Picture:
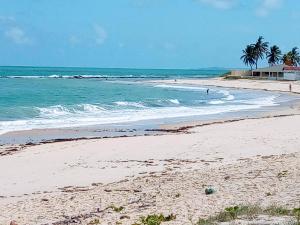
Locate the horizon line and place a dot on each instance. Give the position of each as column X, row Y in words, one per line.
column 136, row 68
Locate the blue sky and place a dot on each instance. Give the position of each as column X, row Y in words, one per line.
column 142, row 33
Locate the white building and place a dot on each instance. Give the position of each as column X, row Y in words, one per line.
column 278, row 72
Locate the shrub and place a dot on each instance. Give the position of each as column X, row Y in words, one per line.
column 117, row 209
column 157, row 219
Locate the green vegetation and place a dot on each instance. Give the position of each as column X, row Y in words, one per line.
column 296, row 212
column 254, row 52
column 204, row 222
column 94, row 221
column 155, row 219
column 274, row 55
column 248, row 56
column 248, row 212
column 277, row 211
column 259, row 50
column 233, row 211
column 229, row 214
column 116, row 209
column 292, row 58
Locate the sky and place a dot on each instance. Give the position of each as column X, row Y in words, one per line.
column 142, row 33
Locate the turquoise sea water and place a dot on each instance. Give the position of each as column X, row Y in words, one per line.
column 32, row 97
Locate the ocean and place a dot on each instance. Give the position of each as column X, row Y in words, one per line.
column 41, row 98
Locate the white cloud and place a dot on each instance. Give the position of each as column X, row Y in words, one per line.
column 220, row 4
column 17, row 35
column 263, row 9
column 13, row 31
column 101, row 34
column 266, row 6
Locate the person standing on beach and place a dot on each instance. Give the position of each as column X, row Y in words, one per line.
column 290, row 87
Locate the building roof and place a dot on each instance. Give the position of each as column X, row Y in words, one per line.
column 292, row 68
column 278, row 68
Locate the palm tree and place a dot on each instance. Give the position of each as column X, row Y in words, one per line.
column 291, row 58
column 295, row 56
column 286, row 59
column 248, row 56
column 274, row 55
column 260, row 49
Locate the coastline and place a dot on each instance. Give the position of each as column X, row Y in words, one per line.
column 267, row 85
column 288, row 104
column 76, row 177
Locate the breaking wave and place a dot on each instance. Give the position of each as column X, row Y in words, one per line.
column 227, row 95
column 133, row 104
column 179, row 87
column 88, row 114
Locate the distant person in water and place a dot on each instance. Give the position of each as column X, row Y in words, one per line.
column 207, row 91
column 290, row 87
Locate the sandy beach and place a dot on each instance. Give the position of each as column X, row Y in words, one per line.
column 247, row 162
column 269, row 85
column 144, row 112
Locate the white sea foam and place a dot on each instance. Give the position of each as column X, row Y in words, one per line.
column 134, row 104
column 227, row 95
column 261, row 101
column 216, row 102
column 53, row 111
column 89, row 108
column 89, row 114
column 25, row 77
column 59, row 116
column 55, row 76
column 180, row 87
column 79, row 76
column 174, row 101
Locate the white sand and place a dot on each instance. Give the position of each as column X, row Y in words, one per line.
column 263, row 181
column 49, row 166
column 270, row 85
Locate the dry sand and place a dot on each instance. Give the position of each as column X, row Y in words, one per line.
column 270, row 85
column 185, row 163
column 264, row 181
column 253, row 161
column 50, row 166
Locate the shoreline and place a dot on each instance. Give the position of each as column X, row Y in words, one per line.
column 290, row 108
column 249, row 161
column 170, row 128
column 158, row 126
column 119, row 156
column 265, row 85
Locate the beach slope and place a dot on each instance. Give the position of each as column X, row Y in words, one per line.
column 49, row 182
